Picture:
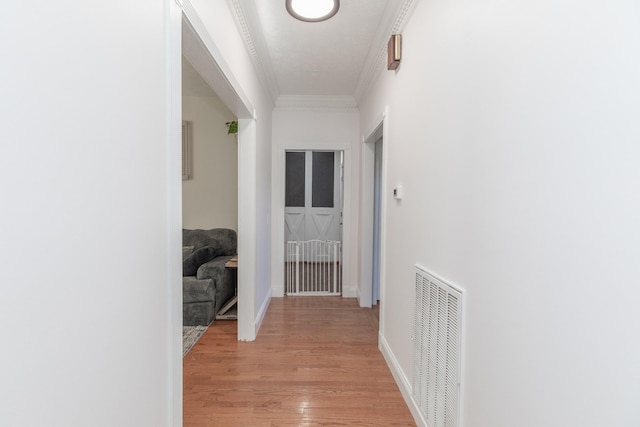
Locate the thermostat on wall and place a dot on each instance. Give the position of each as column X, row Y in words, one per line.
column 397, row 192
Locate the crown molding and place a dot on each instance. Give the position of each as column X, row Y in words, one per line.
column 315, row 103
column 246, row 19
column 376, row 59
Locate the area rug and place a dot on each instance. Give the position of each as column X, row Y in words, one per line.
column 190, row 336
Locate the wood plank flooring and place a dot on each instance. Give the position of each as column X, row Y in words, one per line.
column 315, row 362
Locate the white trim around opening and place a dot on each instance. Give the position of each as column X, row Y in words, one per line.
column 365, row 287
column 348, row 261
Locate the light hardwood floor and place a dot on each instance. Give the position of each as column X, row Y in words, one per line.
column 315, row 362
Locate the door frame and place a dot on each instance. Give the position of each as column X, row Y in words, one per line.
column 377, row 219
column 378, row 129
column 348, row 259
column 205, row 56
column 188, row 35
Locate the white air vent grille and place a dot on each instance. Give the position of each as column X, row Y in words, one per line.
column 437, row 350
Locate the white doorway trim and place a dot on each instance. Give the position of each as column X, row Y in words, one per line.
column 188, row 36
column 173, row 66
column 205, row 56
column 365, row 288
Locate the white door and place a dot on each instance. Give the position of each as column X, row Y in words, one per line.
column 313, row 202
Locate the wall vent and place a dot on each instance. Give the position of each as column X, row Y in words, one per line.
column 437, row 350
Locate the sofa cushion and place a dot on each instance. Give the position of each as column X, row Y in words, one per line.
column 195, row 290
column 198, row 313
column 213, row 269
column 224, row 279
column 186, row 251
column 225, row 237
column 200, row 256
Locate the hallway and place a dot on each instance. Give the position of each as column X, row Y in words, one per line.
column 315, row 362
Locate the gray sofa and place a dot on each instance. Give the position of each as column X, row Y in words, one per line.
column 206, row 284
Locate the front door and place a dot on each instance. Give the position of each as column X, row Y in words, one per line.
column 313, row 202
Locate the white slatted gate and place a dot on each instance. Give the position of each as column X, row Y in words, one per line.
column 313, row 267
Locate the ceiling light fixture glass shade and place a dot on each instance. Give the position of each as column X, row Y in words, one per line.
column 312, row 10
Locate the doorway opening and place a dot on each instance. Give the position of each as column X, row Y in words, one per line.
column 195, row 44
column 372, row 215
column 377, row 221
column 313, row 222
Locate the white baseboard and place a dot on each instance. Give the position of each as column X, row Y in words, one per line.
column 263, row 310
column 401, row 380
column 277, row 292
column 349, row 292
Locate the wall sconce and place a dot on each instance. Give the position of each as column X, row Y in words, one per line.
column 394, row 51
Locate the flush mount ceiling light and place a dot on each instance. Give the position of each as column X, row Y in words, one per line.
column 312, row 10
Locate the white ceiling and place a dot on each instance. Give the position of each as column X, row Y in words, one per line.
column 335, row 58
column 319, row 58
column 330, row 58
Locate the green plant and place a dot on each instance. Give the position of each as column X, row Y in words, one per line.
column 232, row 127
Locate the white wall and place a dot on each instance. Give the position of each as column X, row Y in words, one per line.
column 210, row 197
column 254, row 240
column 513, row 128
column 88, row 249
column 317, row 130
